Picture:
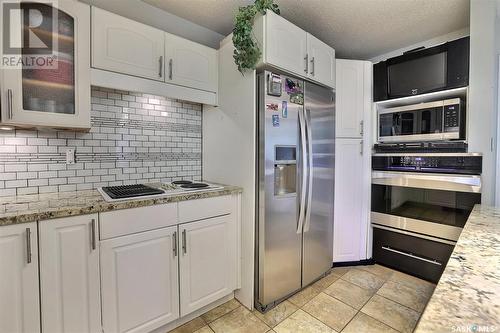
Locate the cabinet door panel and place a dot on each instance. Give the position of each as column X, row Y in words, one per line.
column 350, row 98
column 125, row 46
column 286, row 44
column 140, row 289
column 190, row 64
column 19, row 300
column 206, row 262
column 69, row 275
column 58, row 95
column 321, row 61
column 348, row 216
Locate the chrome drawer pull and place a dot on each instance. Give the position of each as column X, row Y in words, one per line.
column 434, row 262
column 28, row 245
column 174, row 243
column 184, row 241
column 92, row 234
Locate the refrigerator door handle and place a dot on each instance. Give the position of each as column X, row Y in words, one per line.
column 309, row 169
column 302, row 204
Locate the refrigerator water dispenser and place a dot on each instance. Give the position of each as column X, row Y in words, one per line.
column 285, row 170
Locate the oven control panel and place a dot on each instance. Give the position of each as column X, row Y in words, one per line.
column 418, row 162
column 431, row 163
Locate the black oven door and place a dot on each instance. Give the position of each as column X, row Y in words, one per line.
column 435, row 205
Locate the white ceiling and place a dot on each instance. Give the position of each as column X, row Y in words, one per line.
column 357, row 29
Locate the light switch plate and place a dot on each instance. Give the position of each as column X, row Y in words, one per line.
column 70, row 156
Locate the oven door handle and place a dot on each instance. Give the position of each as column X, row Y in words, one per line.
column 457, row 183
column 411, row 255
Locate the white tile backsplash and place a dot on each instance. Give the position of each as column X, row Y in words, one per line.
column 134, row 138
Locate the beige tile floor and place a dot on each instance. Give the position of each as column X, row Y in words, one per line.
column 371, row 299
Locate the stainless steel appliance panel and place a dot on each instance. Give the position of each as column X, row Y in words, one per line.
column 279, row 233
column 319, row 107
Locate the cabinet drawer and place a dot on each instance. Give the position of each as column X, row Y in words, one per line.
column 129, row 221
column 420, row 257
column 193, row 210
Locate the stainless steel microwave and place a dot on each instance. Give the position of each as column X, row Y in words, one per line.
column 432, row 121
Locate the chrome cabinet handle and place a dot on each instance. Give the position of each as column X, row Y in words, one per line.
column 28, row 245
column 312, row 66
column 361, row 147
column 174, row 243
column 361, row 127
column 307, row 117
column 92, row 234
column 302, row 204
column 170, row 66
column 184, row 247
column 434, row 262
column 160, row 73
column 9, row 103
column 306, row 58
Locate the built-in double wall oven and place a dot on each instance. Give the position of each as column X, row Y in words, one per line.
column 420, row 203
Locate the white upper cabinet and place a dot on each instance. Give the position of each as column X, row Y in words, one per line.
column 126, row 46
column 69, row 275
column 139, row 276
column 321, row 59
column 57, row 93
column 19, row 291
column 351, row 98
column 190, row 64
column 289, row 48
column 207, row 261
column 285, row 44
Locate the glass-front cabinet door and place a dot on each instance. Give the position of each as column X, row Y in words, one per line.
column 46, row 81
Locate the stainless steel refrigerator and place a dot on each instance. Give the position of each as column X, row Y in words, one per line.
column 295, row 173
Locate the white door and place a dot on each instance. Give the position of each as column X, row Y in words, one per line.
column 350, row 98
column 56, row 95
column 207, row 262
column 69, row 275
column 19, row 292
column 348, row 227
column 139, row 281
column 125, row 46
column 190, row 64
column 286, row 45
column 321, row 61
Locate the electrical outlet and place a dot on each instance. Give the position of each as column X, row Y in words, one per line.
column 70, row 156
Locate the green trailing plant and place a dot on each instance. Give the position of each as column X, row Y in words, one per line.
column 247, row 52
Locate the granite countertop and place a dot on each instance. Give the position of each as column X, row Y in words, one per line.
column 467, row 297
column 35, row 207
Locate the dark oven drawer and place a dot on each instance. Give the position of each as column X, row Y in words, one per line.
column 420, row 257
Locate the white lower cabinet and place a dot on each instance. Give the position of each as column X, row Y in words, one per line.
column 207, row 262
column 19, row 289
column 69, row 275
column 139, row 281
